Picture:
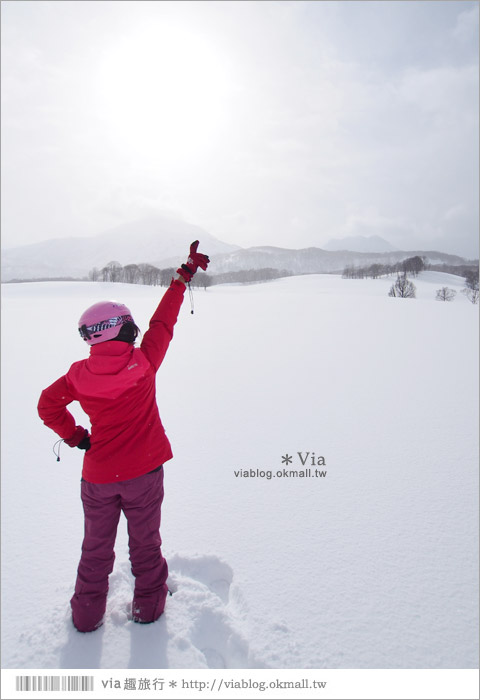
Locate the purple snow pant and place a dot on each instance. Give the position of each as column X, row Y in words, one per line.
column 140, row 499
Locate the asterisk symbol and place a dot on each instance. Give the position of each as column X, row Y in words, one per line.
column 173, row 684
column 286, row 459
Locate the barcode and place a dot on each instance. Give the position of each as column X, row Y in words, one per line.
column 52, row 683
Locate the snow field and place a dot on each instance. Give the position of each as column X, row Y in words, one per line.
column 373, row 566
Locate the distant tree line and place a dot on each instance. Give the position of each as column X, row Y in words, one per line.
column 412, row 265
column 405, row 289
column 264, row 274
column 374, row 271
column 17, row 280
column 459, row 270
column 144, row 273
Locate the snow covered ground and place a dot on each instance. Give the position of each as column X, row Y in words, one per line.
column 374, row 565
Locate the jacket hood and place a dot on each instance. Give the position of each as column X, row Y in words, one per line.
column 110, row 357
column 112, row 369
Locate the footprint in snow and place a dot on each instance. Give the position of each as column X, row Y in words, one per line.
column 216, row 574
column 204, row 614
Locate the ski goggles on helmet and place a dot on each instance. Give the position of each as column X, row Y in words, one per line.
column 87, row 331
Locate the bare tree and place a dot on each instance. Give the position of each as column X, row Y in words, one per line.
column 166, row 276
column 471, row 279
column 471, row 294
column 112, row 272
column 201, row 279
column 353, row 273
column 403, row 288
column 131, row 273
column 149, row 274
column 413, row 265
column 375, row 270
column 446, row 294
column 471, row 286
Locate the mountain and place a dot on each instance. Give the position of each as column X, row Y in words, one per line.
column 159, row 240
column 164, row 242
column 316, row 260
column 360, row 244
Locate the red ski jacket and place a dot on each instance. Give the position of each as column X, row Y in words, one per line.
column 115, row 387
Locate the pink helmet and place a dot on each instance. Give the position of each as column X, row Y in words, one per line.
column 102, row 321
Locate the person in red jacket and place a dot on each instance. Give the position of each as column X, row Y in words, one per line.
column 125, row 450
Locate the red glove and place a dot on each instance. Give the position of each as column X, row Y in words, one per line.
column 195, row 260
column 80, row 438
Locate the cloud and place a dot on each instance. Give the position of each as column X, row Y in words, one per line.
column 466, row 26
column 327, row 117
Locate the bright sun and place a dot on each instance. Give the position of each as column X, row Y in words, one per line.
column 163, row 92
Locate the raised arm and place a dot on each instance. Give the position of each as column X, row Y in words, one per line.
column 160, row 331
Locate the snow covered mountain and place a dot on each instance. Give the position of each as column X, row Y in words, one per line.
column 360, row 244
column 156, row 239
column 164, row 241
column 316, row 260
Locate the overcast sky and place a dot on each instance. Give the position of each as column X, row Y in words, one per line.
column 275, row 123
